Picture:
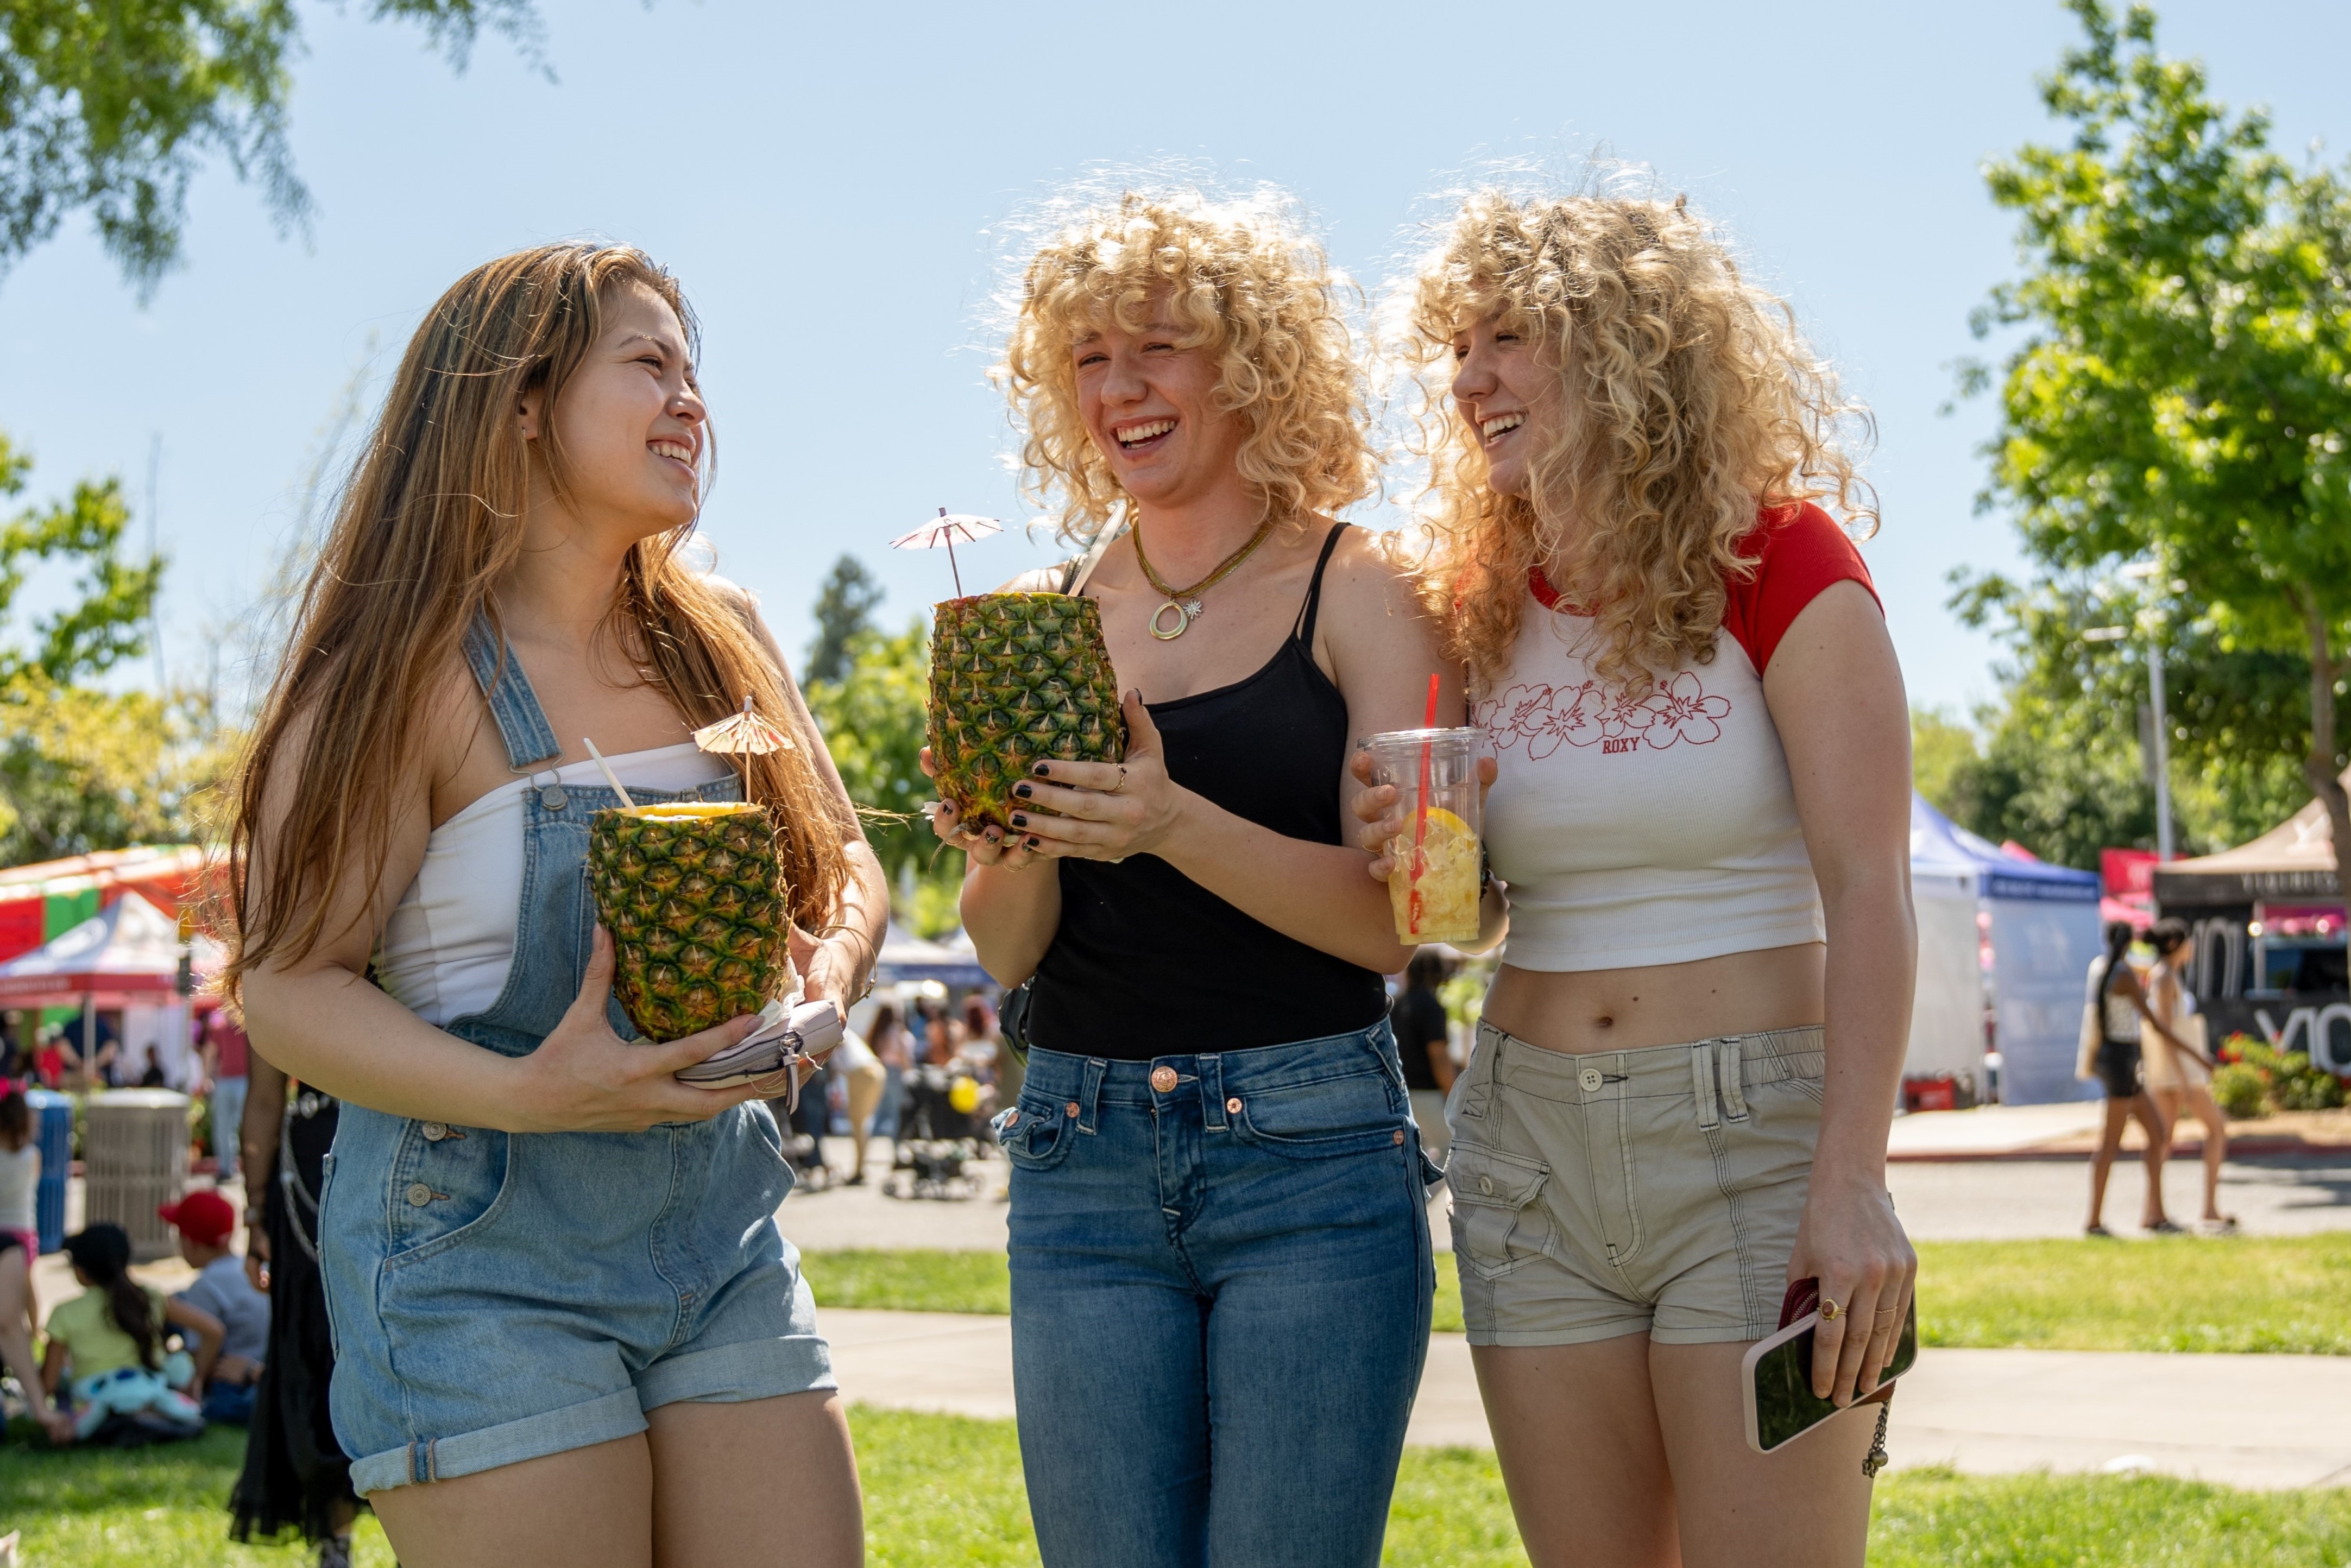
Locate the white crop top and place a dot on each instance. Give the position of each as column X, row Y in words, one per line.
column 1660, row 830
column 450, row 941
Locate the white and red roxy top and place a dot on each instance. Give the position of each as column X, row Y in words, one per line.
column 1662, row 828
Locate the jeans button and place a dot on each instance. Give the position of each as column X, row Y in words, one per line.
column 1399, row 1134
column 1233, row 1106
column 1072, row 1107
column 419, row 1194
column 1486, row 1185
column 434, row 1131
column 1162, row 1079
column 1590, row 1078
column 554, row 798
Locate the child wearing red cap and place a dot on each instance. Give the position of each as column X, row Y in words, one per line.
column 205, row 1223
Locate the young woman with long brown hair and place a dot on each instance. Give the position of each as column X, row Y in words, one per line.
column 568, row 1330
column 1220, row 1257
column 1679, row 1101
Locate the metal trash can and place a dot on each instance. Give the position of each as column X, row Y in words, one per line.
column 53, row 1135
column 135, row 1160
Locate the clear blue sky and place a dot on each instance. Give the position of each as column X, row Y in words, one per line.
column 824, row 180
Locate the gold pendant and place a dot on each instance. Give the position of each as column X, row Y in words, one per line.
column 1183, row 613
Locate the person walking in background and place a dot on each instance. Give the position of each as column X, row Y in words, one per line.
column 226, row 1055
column 568, row 1330
column 205, row 1223
column 1221, row 1273
column 894, row 1047
column 2115, row 1017
column 2179, row 1064
column 862, row 1079
column 20, row 1188
column 1679, row 1102
column 1425, row 1045
column 296, row 1475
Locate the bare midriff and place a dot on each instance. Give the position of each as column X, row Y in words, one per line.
column 1580, row 1011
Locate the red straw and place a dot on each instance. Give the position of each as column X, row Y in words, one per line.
column 1420, row 817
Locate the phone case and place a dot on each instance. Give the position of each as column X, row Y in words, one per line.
column 1776, row 1389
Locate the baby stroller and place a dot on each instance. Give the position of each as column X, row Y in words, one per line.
column 938, row 1133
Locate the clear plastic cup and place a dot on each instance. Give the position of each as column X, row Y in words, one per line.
column 1434, row 887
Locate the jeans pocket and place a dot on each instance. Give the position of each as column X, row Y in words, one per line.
column 1354, row 1114
column 1036, row 1133
column 447, row 1183
column 1497, row 1225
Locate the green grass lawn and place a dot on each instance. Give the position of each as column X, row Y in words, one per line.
column 2275, row 1293
column 944, row 1491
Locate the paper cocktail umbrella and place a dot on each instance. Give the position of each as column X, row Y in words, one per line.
column 950, row 529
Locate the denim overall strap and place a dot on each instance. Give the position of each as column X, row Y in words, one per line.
column 522, row 723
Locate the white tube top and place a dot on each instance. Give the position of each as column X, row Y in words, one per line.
column 450, row 941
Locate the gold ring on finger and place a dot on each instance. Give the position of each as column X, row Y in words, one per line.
column 1830, row 1311
column 1121, row 785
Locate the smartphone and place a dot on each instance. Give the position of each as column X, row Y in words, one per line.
column 1776, row 1381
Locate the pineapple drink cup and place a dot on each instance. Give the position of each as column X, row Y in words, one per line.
column 692, row 895
column 1016, row 677
column 1434, row 888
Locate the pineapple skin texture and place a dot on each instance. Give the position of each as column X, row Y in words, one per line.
column 696, row 913
column 1016, row 677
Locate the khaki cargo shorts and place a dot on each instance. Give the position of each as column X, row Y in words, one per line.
column 1654, row 1191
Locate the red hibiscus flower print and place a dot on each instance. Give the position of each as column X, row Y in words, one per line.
column 1681, row 711
column 1521, row 712
column 1575, row 716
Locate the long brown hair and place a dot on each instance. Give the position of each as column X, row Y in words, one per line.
column 1692, row 403
column 429, row 523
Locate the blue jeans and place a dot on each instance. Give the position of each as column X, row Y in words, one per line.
column 1220, row 1297
column 228, row 1124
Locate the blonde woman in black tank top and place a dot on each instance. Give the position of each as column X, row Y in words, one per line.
column 1220, row 1257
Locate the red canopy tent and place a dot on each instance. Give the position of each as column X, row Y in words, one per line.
column 45, row 900
column 127, row 953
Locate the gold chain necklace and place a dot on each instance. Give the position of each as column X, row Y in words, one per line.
column 1186, row 602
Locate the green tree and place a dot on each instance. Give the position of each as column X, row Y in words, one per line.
column 844, row 609
column 112, row 105
column 873, row 719
column 82, row 768
column 2180, row 393
column 1941, row 748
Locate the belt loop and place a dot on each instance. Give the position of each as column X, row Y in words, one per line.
column 1090, row 1093
column 1485, row 1046
column 1710, row 1115
column 1212, row 1092
column 1732, row 1070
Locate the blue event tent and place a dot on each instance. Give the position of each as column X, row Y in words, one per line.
column 2037, row 925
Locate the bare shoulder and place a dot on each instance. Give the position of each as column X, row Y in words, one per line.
column 1374, row 580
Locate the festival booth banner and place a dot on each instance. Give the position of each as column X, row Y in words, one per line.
column 2023, row 932
column 129, row 956
column 2267, row 924
column 41, row 901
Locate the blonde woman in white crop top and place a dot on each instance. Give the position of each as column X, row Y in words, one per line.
column 1679, row 1098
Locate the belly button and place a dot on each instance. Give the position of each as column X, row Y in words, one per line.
column 1605, row 1023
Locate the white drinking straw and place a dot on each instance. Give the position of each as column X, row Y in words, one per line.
column 610, row 776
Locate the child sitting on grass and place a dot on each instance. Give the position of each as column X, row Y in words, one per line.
column 205, row 1223
column 112, row 1335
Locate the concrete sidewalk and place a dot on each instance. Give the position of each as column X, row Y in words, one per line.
column 2258, row 1421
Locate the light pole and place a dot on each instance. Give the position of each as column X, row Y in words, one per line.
column 2153, row 627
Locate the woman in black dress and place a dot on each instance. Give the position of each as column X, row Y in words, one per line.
column 294, row 1475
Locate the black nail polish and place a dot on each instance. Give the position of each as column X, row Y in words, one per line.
column 1035, row 842
column 1041, row 769
column 1024, row 790
column 1019, row 819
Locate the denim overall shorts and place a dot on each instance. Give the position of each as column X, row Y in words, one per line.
column 501, row 1296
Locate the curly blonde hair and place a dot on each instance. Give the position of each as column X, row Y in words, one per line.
column 1692, row 404
column 1237, row 277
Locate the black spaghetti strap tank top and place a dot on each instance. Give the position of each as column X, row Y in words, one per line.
column 1147, row 963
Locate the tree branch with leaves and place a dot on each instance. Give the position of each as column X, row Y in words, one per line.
column 2180, row 393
